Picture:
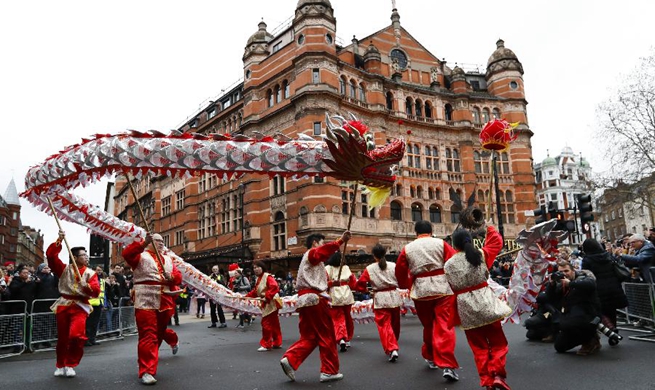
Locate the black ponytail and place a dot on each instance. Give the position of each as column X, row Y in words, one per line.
column 379, row 251
column 462, row 241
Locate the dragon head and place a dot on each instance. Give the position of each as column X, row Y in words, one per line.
column 355, row 157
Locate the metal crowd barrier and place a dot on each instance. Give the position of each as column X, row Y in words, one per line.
column 13, row 328
column 640, row 313
column 36, row 330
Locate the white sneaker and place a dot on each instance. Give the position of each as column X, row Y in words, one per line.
column 70, row 372
column 393, row 356
column 148, row 379
column 288, row 370
column 342, row 345
column 175, row 348
column 347, row 344
column 60, row 372
column 450, row 374
column 431, row 364
column 331, row 377
column 262, row 349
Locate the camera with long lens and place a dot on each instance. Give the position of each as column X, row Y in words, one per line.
column 613, row 337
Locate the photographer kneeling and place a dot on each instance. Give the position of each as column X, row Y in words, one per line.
column 576, row 291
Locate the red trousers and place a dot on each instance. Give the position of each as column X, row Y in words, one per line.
column 71, row 330
column 315, row 325
column 438, row 336
column 151, row 325
column 388, row 322
column 343, row 322
column 489, row 347
column 271, row 332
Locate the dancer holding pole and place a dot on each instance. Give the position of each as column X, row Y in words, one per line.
column 77, row 283
column 155, row 279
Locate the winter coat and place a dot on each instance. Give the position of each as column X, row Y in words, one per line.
column 608, row 285
column 579, row 301
column 47, row 287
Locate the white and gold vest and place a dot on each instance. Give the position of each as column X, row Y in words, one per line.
column 310, row 277
column 149, row 296
column 383, row 280
column 68, row 285
column 479, row 307
column 270, row 307
column 425, row 255
column 341, row 295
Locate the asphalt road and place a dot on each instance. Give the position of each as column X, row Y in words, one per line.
column 228, row 359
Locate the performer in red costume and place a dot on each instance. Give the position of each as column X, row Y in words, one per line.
column 268, row 290
column 386, row 300
column 314, row 321
column 154, row 305
column 478, row 310
column 420, row 267
column 341, row 295
column 72, row 308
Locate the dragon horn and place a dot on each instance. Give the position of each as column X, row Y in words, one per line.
column 330, row 127
column 352, row 116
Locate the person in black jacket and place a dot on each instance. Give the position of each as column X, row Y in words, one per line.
column 608, row 286
column 576, row 291
column 22, row 288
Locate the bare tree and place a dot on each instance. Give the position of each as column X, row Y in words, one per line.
column 627, row 135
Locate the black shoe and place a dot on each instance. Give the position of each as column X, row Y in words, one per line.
column 213, row 325
column 95, row 343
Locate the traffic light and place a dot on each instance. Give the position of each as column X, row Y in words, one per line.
column 585, row 208
column 552, row 210
column 562, row 223
column 540, row 215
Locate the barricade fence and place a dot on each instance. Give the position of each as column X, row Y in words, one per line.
column 34, row 328
column 640, row 313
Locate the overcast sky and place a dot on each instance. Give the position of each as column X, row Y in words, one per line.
column 70, row 69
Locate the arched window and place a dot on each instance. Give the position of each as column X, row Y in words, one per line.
column 476, row 115
column 437, row 194
column 482, row 205
column 409, row 105
column 304, row 221
column 454, row 213
column 456, row 160
column 507, row 207
column 353, row 89
column 342, row 85
column 480, row 162
column 496, row 113
column 389, row 101
column 399, row 190
column 396, row 211
column 412, row 191
column 287, row 89
column 428, row 109
column 270, row 97
column 278, row 94
column 448, row 112
column 430, row 193
column 419, row 192
column 435, row 213
column 485, row 115
column 417, row 212
column 362, row 93
column 418, row 107
column 504, row 164
column 279, row 232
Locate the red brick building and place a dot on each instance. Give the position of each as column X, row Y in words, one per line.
column 391, row 82
column 10, row 224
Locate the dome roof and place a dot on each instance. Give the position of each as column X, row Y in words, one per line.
column 501, row 53
column 302, row 3
column 567, row 151
column 458, row 70
column 584, row 163
column 261, row 36
column 548, row 161
column 372, row 49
